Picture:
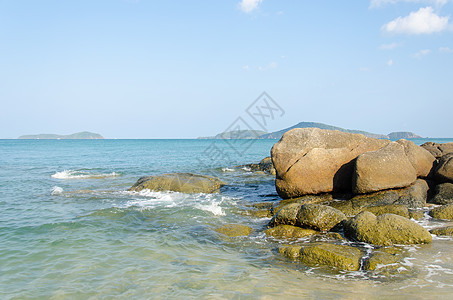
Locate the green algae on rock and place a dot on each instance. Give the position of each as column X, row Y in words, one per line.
column 446, row 231
column 338, row 256
column 179, row 182
column 234, row 230
column 385, row 230
column 319, row 217
column 442, row 212
column 289, row 232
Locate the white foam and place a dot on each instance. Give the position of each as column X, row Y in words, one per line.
column 56, row 190
column 71, row 174
column 228, row 170
column 213, row 207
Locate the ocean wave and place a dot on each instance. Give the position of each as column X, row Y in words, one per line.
column 228, row 170
column 72, row 174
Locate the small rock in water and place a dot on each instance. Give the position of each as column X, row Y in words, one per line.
column 338, row 256
column 447, row 231
column 234, row 230
column 319, row 217
column 289, row 232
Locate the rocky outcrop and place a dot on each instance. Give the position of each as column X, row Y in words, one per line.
column 179, row 182
column 234, row 230
column 386, row 168
column 338, row 256
column 265, row 165
column 385, row 230
column 289, row 232
column 444, row 170
column 438, row 150
column 442, row 212
column 443, row 194
column 313, row 161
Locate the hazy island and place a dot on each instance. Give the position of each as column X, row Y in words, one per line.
column 85, row 135
column 257, row 134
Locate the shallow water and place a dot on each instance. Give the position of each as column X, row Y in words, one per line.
column 70, row 229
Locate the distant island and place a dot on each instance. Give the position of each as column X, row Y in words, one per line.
column 255, row 134
column 75, row 136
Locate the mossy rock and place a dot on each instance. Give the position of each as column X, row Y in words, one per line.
column 444, row 212
column 416, row 214
column 446, row 231
column 341, row 257
column 234, row 230
column 443, row 194
column 290, row 251
column 396, row 209
column 385, row 230
column 289, row 232
column 307, row 199
column 179, row 182
column 286, row 216
column 381, row 259
column 319, row 217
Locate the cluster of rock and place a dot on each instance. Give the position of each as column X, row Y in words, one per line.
column 265, row 166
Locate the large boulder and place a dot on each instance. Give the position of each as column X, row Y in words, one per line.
column 386, row 168
column 385, row 230
column 443, row 194
column 444, row 170
column 438, row 150
column 444, row 212
column 179, row 182
column 319, row 217
column 420, row 158
column 338, row 256
column 314, row 161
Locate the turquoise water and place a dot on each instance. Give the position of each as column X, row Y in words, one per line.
column 70, row 229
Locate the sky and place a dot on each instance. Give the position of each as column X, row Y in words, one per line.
column 184, row 69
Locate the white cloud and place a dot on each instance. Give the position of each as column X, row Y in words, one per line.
column 270, row 66
column 422, row 53
column 389, row 46
column 248, row 6
column 379, row 3
column 390, row 63
column 423, row 21
column 247, row 68
column 445, row 50
column 364, row 69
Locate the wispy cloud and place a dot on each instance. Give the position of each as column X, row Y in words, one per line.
column 270, row 66
column 390, row 46
column 248, row 6
column 421, row 53
column 445, row 50
column 390, row 62
column 423, row 21
column 379, row 3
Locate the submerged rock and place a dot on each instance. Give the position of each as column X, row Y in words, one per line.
column 385, row 230
column 443, row 194
column 319, row 217
column 290, row 251
column 314, row 161
column 380, row 259
column 443, row 212
column 447, row 231
column 289, row 232
column 383, row 169
column 338, row 256
column 179, row 182
column 234, row 230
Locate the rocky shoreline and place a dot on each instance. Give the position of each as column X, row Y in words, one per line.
column 355, row 199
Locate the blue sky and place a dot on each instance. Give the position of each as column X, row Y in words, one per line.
column 183, row 69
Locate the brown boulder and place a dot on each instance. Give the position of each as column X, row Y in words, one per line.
column 314, row 161
column 420, row 158
column 386, row 168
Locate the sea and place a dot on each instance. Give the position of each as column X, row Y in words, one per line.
column 70, row 229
